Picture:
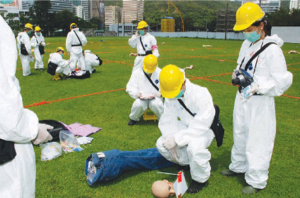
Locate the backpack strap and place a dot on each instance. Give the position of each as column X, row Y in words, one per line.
column 151, row 81
column 255, row 55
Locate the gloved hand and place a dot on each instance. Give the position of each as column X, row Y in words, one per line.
column 233, row 76
column 157, row 94
column 137, row 33
column 43, row 135
column 169, row 143
column 253, row 88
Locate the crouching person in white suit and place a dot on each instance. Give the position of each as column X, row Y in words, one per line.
column 57, row 65
column 185, row 138
column 18, row 126
column 91, row 60
column 143, row 86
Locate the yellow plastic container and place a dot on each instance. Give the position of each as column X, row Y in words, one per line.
column 168, row 25
column 149, row 115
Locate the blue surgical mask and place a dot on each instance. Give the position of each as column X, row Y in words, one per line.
column 251, row 36
column 62, row 55
column 180, row 94
column 39, row 34
column 29, row 32
column 141, row 32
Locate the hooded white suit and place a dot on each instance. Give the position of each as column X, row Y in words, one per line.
column 138, row 83
column 36, row 41
column 19, row 125
column 23, row 38
column 192, row 135
column 254, row 120
column 150, row 44
column 63, row 65
column 74, row 48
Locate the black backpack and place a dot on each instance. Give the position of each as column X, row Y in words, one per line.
column 7, row 151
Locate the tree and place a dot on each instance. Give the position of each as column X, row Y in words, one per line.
column 284, row 17
column 39, row 13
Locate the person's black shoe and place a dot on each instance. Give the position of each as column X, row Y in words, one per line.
column 94, row 71
column 132, row 122
column 196, row 187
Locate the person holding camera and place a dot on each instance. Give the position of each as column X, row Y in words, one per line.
column 261, row 75
column 19, row 127
column 145, row 44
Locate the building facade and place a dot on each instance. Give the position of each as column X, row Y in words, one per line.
column 113, row 15
column 133, row 10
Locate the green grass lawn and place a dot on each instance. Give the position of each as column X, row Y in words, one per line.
column 102, row 101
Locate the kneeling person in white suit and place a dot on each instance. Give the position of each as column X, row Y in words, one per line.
column 62, row 64
column 185, row 138
column 143, row 87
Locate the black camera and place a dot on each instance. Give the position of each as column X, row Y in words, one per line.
column 243, row 78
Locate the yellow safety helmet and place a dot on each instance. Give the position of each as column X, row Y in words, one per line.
column 73, row 25
column 60, row 49
column 150, row 63
column 171, row 79
column 246, row 15
column 28, row 26
column 142, row 25
column 37, row 29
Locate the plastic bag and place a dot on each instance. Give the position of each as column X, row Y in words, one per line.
column 50, row 151
column 69, row 142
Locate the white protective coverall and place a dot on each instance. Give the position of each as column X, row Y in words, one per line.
column 63, row 65
column 35, row 42
column 150, row 44
column 19, row 125
column 138, row 83
column 192, row 135
column 91, row 60
column 254, row 120
column 74, row 48
column 25, row 59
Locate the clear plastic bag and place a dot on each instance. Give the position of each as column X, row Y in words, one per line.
column 50, row 151
column 69, row 142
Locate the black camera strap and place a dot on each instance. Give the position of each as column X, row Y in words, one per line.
column 255, row 55
column 187, row 109
column 142, row 43
column 151, row 81
column 78, row 39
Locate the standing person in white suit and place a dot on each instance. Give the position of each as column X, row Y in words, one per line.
column 17, row 125
column 75, row 41
column 24, row 46
column 38, row 43
column 185, row 138
column 145, row 44
column 254, row 119
column 145, row 93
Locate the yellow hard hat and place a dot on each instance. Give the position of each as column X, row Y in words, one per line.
column 171, row 79
column 60, row 49
column 28, row 26
column 37, row 28
column 150, row 63
column 142, row 24
column 246, row 15
column 73, row 25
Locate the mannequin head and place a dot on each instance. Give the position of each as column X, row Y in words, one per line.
column 163, row 189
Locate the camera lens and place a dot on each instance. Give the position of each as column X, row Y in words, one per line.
column 236, row 81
